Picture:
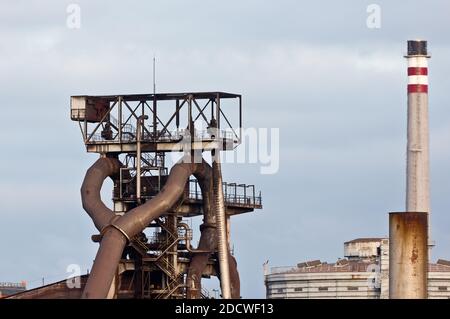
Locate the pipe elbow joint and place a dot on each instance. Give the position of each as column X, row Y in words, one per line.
column 113, row 225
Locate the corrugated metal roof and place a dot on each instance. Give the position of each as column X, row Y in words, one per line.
column 438, row 267
column 342, row 265
column 345, row 265
column 443, row 262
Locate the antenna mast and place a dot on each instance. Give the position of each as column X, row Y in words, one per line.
column 154, row 75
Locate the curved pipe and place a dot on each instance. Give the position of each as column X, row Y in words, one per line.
column 188, row 241
column 208, row 242
column 208, row 239
column 117, row 233
column 235, row 282
column 90, row 190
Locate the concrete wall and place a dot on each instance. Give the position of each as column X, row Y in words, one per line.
column 356, row 284
column 361, row 249
column 335, row 285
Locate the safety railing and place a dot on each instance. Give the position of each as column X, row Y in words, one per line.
column 282, row 270
column 12, row 285
column 128, row 135
column 235, row 194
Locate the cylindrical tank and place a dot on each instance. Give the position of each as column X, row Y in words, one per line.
column 408, row 255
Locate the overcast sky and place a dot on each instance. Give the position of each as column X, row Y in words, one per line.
column 335, row 88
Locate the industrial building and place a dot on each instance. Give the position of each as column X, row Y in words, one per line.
column 145, row 242
column 11, row 288
column 363, row 273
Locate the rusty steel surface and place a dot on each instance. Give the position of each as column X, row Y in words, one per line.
column 163, row 96
column 57, row 290
column 121, row 229
column 222, row 240
column 408, row 255
column 208, row 238
column 114, row 130
column 208, row 242
column 90, row 190
column 136, row 125
column 235, row 281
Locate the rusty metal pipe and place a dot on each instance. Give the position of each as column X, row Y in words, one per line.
column 124, row 228
column 235, row 283
column 208, row 242
column 199, row 262
column 208, row 238
column 105, row 265
column 90, row 190
column 222, row 241
column 408, row 255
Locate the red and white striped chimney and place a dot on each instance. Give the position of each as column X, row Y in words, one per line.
column 417, row 175
column 409, row 231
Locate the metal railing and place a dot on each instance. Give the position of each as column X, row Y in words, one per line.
column 234, row 194
column 12, row 285
column 243, row 200
column 128, row 134
column 283, row 269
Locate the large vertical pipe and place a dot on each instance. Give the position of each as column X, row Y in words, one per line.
column 222, row 241
column 417, row 171
column 408, row 255
column 208, row 243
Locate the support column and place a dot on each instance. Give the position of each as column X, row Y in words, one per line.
column 221, row 228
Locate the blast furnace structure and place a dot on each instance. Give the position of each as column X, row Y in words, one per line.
column 146, row 242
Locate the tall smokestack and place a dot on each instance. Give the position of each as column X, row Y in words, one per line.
column 417, row 171
column 409, row 231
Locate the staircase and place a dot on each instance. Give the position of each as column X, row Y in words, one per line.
column 161, row 258
column 128, row 130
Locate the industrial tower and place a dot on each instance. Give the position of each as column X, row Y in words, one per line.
column 146, row 248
